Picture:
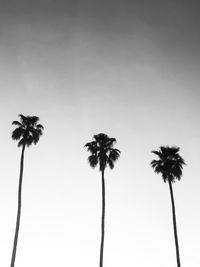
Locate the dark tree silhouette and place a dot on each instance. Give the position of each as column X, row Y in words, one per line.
column 28, row 131
column 102, row 153
column 170, row 165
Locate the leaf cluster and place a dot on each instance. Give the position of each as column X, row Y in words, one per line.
column 102, row 151
column 169, row 163
column 28, row 130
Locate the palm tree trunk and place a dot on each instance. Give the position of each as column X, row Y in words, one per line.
column 102, row 220
column 18, row 209
column 175, row 226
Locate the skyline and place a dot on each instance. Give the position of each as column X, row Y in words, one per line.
column 129, row 70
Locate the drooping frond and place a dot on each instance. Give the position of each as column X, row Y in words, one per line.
column 169, row 163
column 110, row 163
column 102, row 151
column 28, row 131
column 17, row 123
column 39, row 127
column 93, row 161
column 91, row 147
column 114, row 154
column 17, row 133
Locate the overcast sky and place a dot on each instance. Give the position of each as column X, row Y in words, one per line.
column 129, row 69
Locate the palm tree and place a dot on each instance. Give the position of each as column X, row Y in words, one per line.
column 102, row 153
column 170, row 165
column 28, row 131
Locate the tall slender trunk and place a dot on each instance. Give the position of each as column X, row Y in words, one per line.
column 175, row 226
column 18, row 209
column 102, row 220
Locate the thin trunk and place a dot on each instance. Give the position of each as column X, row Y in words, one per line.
column 18, row 209
column 102, row 220
column 175, row 226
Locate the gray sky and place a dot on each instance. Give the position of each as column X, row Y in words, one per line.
column 126, row 68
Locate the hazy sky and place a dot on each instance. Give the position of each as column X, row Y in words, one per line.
column 129, row 69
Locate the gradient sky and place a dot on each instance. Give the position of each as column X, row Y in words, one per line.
column 129, row 69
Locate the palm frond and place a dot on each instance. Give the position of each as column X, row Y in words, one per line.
column 93, row 161
column 111, row 142
column 92, row 147
column 17, row 123
column 40, row 126
column 33, row 120
column 17, row 133
column 39, row 131
column 114, row 154
column 110, row 163
column 23, row 119
column 30, row 140
column 158, row 153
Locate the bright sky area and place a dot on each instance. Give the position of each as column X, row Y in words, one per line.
column 127, row 69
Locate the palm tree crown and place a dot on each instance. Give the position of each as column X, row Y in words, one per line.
column 27, row 131
column 102, row 151
column 169, row 164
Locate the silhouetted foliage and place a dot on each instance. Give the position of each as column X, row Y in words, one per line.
column 28, row 132
column 102, row 153
column 170, row 165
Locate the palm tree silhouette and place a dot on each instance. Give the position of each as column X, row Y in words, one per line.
column 27, row 133
column 170, row 165
column 102, row 153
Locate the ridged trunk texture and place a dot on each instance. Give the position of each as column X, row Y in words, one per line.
column 102, row 220
column 18, row 208
column 175, row 226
